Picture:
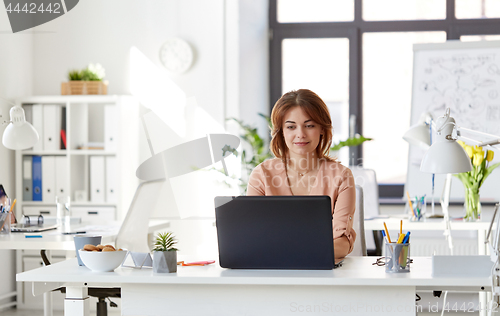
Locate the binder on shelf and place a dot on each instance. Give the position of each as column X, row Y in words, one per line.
column 51, row 127
column 49, row 179
column 97, row 185
column 110, row 127
column 28, row 113
column 61, row 169
column 27, row 179
column 63, row 128
column 37, row 177
column 37, row 116
column 111, row 194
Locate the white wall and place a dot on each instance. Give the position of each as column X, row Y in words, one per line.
column 104, row 31
column 16, row 63
column 229, row 77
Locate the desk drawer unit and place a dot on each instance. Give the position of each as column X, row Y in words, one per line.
column 40, row 210
column 96, row 215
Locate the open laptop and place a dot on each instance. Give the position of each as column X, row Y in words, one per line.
column 33, row 228
column 275, row 232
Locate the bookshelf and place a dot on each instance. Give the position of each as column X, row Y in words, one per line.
column 86, row 121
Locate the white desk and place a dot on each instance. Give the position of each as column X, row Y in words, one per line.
column 432, row 224
column 393, row 224
column 357, row 288
column 55, row 240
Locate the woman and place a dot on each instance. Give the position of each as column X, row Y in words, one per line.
column 301, row 140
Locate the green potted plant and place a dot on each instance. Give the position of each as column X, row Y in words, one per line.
column 86, row 81
column 164, row 253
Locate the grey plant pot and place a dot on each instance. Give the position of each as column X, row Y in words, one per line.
column 164, row 261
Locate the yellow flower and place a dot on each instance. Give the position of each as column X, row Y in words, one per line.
column 489, row 155
column 478, row 149
column 461, row 143
column 469, row 150
column 477, row 160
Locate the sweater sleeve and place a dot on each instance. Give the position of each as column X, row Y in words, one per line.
column 344, row 208
column 256, row 185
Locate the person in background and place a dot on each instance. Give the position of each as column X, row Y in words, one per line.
column 301, row 140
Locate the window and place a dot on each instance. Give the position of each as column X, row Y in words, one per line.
column 358, row 56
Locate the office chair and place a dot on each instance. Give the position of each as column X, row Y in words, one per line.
column 358, row 225
column 367, row 179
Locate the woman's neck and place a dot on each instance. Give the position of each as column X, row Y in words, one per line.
column 303, row 164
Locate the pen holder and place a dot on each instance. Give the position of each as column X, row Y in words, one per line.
column 5, row 223
column 397, row 257
column 417, row 209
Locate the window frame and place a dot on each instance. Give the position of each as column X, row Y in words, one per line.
column 354, row 31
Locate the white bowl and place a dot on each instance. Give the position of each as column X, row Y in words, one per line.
column 106, row 261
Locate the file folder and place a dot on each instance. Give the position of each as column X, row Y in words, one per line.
column 27, row 179
column 28, row 113
column 110, row 127
column 49, row 179
column 51, row 127
column 37, row 116
column 97, row 187
column 61, row 169
column 37, row 177
column 111, row 194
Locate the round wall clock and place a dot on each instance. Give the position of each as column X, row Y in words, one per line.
column 176, row 55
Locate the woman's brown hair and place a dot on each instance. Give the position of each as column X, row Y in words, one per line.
column 317, row 110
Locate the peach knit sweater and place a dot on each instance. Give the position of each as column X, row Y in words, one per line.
column 333, row 179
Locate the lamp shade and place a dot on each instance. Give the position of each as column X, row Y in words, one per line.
column 418, row 135
column 446, row 157
column 19, row 134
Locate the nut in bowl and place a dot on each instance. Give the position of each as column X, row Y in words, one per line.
column 102, row 258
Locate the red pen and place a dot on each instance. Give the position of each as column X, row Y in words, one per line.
column 197, row 263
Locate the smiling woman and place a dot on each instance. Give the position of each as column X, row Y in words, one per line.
column 301, row 140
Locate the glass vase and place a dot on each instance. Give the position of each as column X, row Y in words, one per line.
column 472, row 205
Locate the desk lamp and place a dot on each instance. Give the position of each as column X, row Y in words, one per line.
column 420, row 135
column 19, row 134
column 446, row 156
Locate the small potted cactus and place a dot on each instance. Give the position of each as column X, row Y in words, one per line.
column 164, row 253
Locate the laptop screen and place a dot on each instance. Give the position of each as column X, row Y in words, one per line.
column 275, row 232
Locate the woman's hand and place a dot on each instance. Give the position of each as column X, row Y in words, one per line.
column 341, row 247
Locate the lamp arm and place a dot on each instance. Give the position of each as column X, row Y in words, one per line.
column 495, row 141
column 445, row 202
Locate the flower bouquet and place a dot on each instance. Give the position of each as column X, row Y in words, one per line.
column 474, row 179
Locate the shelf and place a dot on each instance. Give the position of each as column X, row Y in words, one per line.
column 37, row 203
column 69, row 99
column 44, row 153
column 91, row 152
column 75, row 152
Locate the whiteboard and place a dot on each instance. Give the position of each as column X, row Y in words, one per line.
column 464, row 76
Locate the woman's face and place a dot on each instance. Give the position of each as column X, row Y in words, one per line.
column 301, row 133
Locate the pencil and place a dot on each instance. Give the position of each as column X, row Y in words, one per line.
column 13, row 204
column 409, row 202
column 387, row 233
column 401, row 227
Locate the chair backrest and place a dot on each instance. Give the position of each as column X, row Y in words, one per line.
column 367, row 179
column 359, row 225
